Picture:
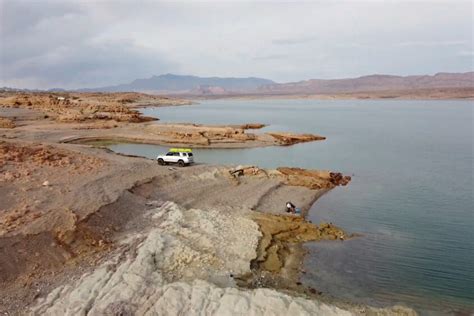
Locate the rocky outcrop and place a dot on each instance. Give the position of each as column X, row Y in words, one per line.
column 279, row 231
column 183, row 134
column 84, row 107
column 185, row 264
column 338, row 179
column 202, row 135
column 252, row 126
column 188, row 263
column 92, row 114
column 313, row 179
column 291, row 139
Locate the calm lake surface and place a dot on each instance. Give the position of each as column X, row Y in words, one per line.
column 411, row 196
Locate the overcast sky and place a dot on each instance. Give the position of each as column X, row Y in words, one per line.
column 76, row 44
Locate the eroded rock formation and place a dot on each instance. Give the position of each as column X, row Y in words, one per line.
column 312, row 179
column 184, row 265
column 80, row 107
column 291, row 138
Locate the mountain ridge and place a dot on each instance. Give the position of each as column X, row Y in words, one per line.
column 375, row 82
column 190, row 85
column 185, row 83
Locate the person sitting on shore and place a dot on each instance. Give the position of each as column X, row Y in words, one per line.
column 290, row 208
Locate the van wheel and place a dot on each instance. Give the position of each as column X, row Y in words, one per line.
column 161, row 162
column 181, row 163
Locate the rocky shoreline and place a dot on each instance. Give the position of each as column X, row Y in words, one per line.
column 84, row 230
column 86, row 117
column 216, row 254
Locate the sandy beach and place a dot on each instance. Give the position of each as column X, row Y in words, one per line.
column 87, row 231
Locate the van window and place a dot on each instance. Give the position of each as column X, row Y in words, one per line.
column 190, row 154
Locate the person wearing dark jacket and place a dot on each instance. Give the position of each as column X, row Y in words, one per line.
column 290, row 208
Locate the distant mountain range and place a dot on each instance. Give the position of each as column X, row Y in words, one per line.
column 171, row 84
column 372, row 83
column 199, row 86
column 177, row 84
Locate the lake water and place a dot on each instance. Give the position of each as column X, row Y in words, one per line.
column 411, row 196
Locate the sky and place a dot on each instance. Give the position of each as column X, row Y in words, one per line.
column 77, row 44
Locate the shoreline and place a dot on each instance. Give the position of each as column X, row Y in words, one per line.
column 52, row 117
column 117, row 228
column 74, row 241
column 75, row 212
column 466, row 93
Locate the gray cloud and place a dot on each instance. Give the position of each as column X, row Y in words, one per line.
column 58, row 44
column 89, row 64
column 466, row 53
column 435, row 43
column 92, row 43
column 293, row 41
column 271, row 57
column 20, row 16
